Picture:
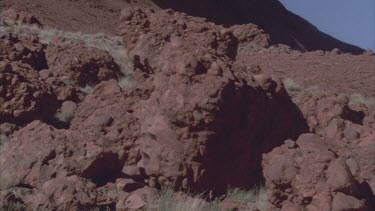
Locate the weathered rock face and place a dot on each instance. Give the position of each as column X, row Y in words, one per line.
column 313, row 176
column 283, row 26
column 11, row 17
column 214, row 120
column 56, row 163
column 27, row 51
column 192, row 119
column 196, row 117
column 23, row 96
column 80, row 68
column 36, row 79
column 329, row 173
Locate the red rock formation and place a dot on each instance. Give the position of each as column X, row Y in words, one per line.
column 81, row 68
column 283, row 26
column 221, row 115
column 202, row 115
column 329, row 173
column 23, row 96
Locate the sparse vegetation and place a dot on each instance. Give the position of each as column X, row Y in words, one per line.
column 291, row 86
column 112, row 44
column 64, row 117
column 4, row 181
column 166, row 201
column 87, row 89
column 313, row 89
column 256, row 196
column 12, row 206
column 100, row 208
column 66, row 80
column 4, row 178
column 293, row 89
column 19, row 191
column 126, row 82
column 358, row 98
column 3, row 140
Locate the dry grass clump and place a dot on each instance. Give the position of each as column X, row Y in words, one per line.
column 66, row 80
column 65, row 117
column 126, row 82
column 167, row 201
column 12, row 206
column 294, row 88
column 87, row 89
column 5, row 182
column 358, row 98
column 257, row 196
column 3, row 141
column 112, row 44
column 291, row 86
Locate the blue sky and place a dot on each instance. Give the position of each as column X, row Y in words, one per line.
column 352, row 21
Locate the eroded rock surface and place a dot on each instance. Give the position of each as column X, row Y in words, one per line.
column 198, row 103
column 23, row 96
column 332, row 171
column 198, row 116
column 75, row 66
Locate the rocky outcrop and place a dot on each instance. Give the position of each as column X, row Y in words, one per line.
column 191, row 119
column 12, row 17
column 36, row 79
column 23, row 96
column 329, row 173
column 197, row 118
column 76, row 67
column 317, row 71
column 311, row 175
column 283, row 26
column 221, row 118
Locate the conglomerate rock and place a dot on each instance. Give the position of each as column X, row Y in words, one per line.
column 23, row 97
column 37, row 78
column 191, row 120
column 332, row 171
column 314, row 176
column 203, row 123
column 78, row 67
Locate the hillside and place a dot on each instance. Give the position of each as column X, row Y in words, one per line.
column 270, row 15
